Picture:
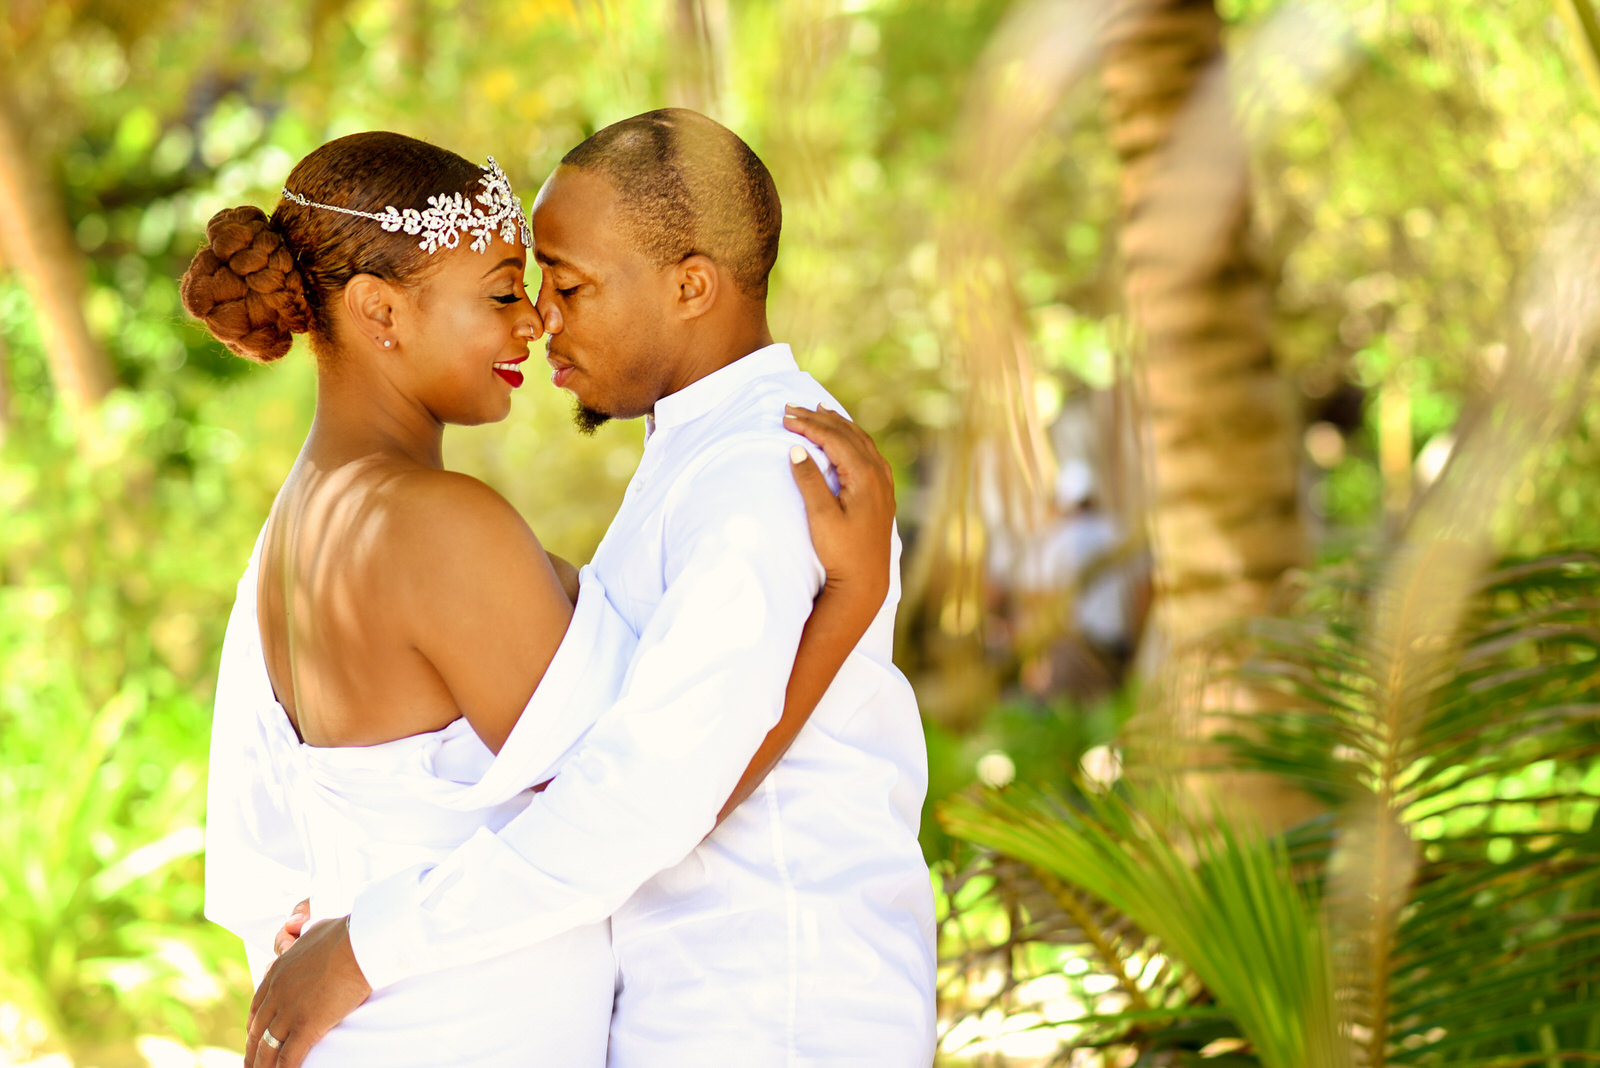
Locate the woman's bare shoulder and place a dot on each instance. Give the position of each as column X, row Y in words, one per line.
column 455, row 547
column 436, row 516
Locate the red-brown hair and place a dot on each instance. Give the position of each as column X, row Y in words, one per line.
column 258, row 281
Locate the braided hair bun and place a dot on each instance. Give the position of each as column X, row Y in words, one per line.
column 244, row 285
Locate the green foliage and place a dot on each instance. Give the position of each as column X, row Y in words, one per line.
column 102, row 892
column 107, row 654
column 1051, row 959
column 1400, row 204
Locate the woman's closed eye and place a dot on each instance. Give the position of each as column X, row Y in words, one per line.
column 507, row 298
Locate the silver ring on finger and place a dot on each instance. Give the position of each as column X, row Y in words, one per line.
column 270, row 1041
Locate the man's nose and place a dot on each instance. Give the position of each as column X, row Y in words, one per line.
column 546, row 307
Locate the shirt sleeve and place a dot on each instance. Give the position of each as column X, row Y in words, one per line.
column 705, row 685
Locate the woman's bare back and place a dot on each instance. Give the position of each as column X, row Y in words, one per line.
column 394, row 598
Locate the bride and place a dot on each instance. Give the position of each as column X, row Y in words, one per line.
column 404, row 660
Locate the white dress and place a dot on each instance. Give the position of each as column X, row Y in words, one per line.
column 287, row 820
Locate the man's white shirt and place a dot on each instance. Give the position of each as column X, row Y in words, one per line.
column 801, row 931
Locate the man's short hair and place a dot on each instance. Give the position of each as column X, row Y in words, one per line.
column 688, row 184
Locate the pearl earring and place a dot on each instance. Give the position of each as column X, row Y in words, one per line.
column 388, row 343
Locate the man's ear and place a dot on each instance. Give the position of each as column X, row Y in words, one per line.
column 699, row 285
column 369, row 301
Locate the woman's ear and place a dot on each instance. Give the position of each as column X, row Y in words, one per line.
column 699, row 282
column 369, row 302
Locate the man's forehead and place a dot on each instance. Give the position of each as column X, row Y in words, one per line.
column 572, row 218
column 558, row 247
column 569, row 188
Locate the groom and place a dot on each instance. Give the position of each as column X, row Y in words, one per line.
column 800, row 930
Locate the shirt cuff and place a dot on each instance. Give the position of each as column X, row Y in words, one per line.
column 259, row 952
column 424, row 919
column 386, row 932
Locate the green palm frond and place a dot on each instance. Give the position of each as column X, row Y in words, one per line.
column 1230, row 911
column 1456, row 738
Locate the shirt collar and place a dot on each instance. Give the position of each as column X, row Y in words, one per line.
column 702, row 395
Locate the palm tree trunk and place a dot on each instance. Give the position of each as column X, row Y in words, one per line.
column 36, row 242
column 1224, row 516
column 1219, row 440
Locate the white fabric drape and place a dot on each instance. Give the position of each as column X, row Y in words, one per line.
column 286, row 821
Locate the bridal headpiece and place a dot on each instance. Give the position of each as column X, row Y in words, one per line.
column 448, row 216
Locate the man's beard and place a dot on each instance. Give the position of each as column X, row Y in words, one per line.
column 588, row 419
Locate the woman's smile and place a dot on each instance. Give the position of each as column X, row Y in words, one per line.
column 507, row 369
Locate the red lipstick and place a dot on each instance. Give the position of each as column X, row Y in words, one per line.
column 507, row 370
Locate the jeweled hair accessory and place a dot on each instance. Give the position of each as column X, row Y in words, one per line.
column 448, row 216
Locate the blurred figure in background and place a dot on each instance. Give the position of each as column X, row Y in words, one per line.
column 1070, row 596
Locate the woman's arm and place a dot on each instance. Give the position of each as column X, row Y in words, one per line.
column 482, row 601
column 852, row 536
column 567, row 573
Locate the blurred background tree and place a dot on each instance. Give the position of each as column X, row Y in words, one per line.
column 1149, row 302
